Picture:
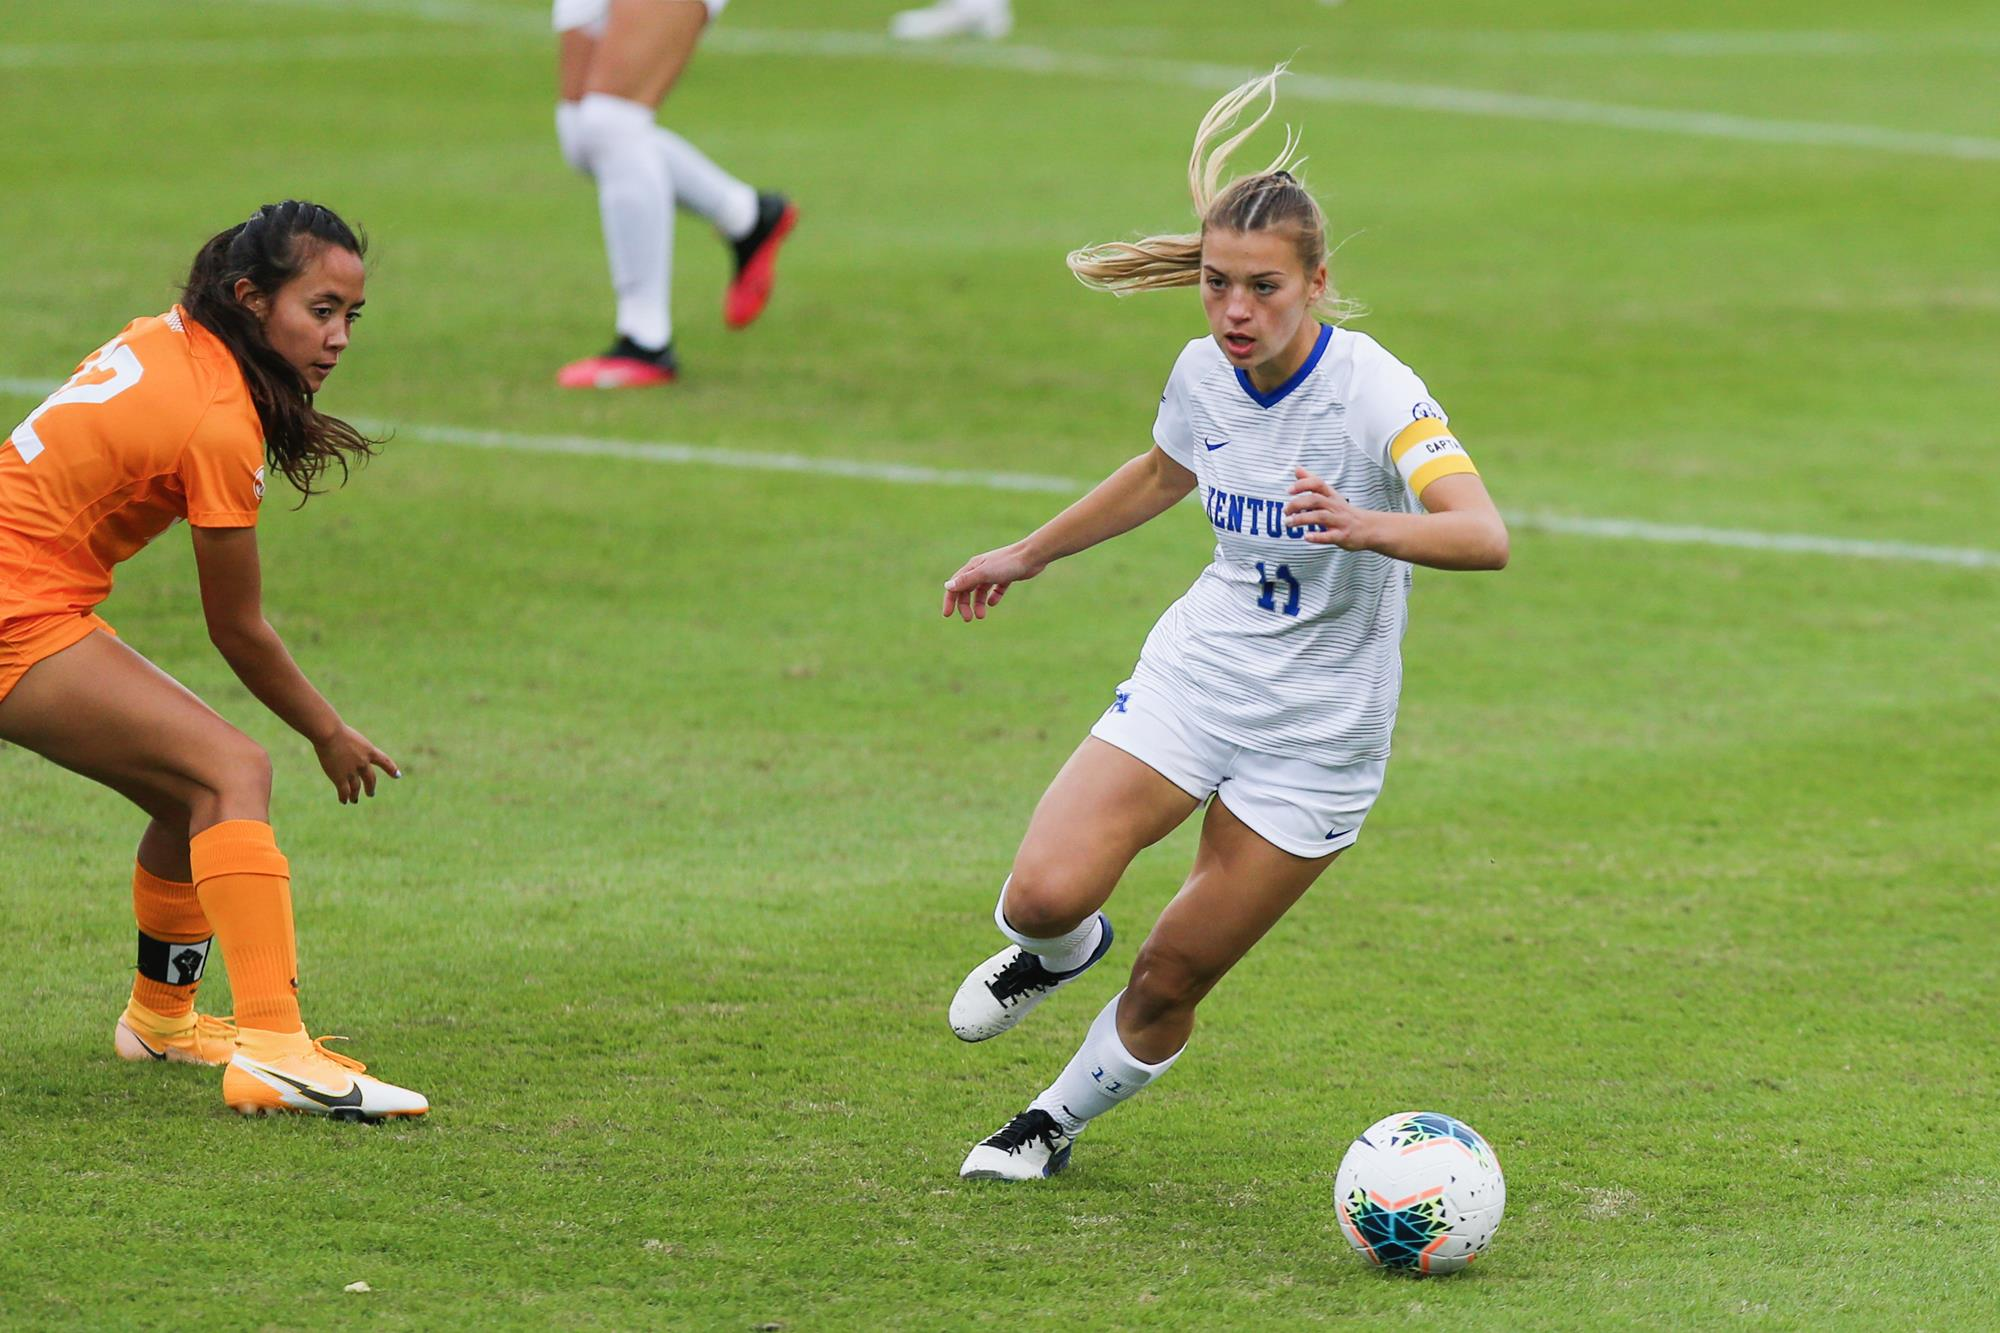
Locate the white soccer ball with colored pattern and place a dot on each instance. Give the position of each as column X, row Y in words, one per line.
column 1420, row 1191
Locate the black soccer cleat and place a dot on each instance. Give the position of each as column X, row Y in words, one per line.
column 1001, row 991
column 1031, row 1146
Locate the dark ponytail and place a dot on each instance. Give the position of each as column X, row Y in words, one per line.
column 271, row 249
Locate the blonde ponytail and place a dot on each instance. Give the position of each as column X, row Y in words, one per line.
column 1267, row 199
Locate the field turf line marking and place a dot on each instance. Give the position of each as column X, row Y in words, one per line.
column 1381, row 93
column 910, row 474
column 1022, row 59
column 1695, row 42
column 228, row 50
column 738, row 459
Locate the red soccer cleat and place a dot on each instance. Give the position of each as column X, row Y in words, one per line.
column 757, row 260
column 626, row 366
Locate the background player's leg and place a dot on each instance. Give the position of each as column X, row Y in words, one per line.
column 705, row 189
column 635, row 206
column 574, row 50
column 645, row 46
column 699, row 185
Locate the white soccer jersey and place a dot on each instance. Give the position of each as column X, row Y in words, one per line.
column 1284, row 646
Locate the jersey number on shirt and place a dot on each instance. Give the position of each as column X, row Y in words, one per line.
column 1268, row 599
column 114, row 357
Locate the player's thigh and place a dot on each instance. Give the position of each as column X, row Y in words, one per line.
column 100, row 709
column 1102, row 809
column 1239, row 887
column 575, row 48
column 646, row 46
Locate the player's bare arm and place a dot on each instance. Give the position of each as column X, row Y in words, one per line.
column 232, row 587
column 1143, row 489
column 1461, row 528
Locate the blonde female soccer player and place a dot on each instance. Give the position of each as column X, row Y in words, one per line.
column 616, row 61
column 184, row 416
column 1326, row 470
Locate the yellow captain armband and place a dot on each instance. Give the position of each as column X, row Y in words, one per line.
column 1424, row 450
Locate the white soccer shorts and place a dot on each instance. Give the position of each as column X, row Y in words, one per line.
column 590, row 14
column 1297, row 806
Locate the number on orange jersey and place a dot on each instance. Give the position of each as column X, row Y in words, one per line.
column 115, row 357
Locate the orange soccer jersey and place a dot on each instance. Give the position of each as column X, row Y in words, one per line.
column 155, row 425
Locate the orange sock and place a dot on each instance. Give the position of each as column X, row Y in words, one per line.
column 245, row 885
column 173, row 943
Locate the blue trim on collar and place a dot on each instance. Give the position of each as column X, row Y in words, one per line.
column 1283, row 391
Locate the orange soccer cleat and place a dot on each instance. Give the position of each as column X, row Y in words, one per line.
column 193, row 1039
column 277, row 1072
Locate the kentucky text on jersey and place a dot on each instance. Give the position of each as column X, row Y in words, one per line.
column 1253, row 516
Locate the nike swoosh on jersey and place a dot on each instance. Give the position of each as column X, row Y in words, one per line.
column 1213, row 447
column 1338, row 833
column 352, row 1097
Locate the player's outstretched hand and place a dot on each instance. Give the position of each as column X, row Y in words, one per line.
column 1316, row 504
column 350, row 760
column 983, row 580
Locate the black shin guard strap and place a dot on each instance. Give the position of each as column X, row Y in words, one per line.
column 170, row 963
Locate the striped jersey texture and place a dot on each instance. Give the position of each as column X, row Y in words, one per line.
column 1283, row 646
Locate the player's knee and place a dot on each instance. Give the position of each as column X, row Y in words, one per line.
column 1166, row 979
column 239, row 772
column 1043, row 906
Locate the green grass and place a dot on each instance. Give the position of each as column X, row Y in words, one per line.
column 1681, row 890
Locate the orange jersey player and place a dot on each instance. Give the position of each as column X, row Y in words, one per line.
column 186, row 415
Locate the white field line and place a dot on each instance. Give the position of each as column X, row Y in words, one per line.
column 534, row 21
column 737, row 459
column 222, row 50
column 1693, row 42
column 906, row 474
column 1023, row 59
column 1378, row 92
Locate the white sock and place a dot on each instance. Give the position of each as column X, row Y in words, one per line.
column 635, row 198
column 569, row 138
column 704, row 188
column 1064, row 953
column 1100, row 1075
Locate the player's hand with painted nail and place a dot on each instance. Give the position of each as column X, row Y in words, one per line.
column 349, row 760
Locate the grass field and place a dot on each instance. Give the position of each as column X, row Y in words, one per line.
column 1682, row 889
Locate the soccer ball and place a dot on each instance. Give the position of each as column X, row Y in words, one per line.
column 1421, row 1191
